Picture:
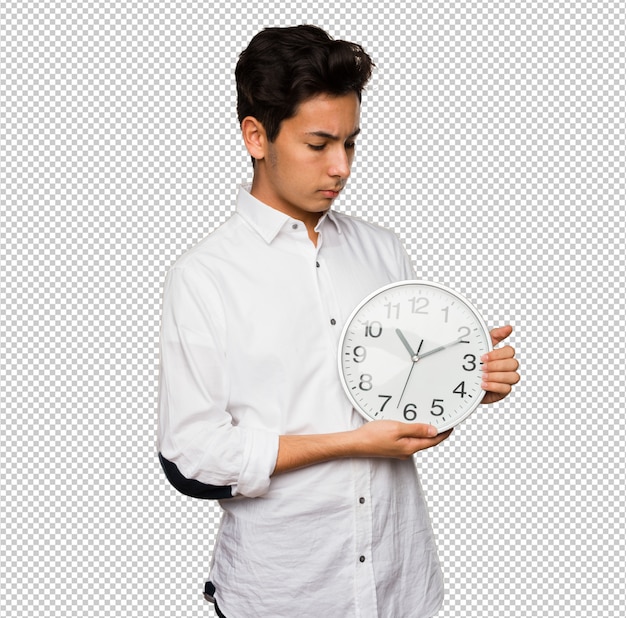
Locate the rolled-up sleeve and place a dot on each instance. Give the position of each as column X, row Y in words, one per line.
column 202, row 451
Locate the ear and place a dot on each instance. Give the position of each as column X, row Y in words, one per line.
column 254, row 137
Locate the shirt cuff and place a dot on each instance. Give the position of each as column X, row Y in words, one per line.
column 260, row 452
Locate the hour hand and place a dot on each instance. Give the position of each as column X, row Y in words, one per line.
column 413, row 355
column 405, row 342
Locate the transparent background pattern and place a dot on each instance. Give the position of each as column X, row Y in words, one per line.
column 493, row 144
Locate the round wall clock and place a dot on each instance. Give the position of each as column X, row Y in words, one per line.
column 411, row 352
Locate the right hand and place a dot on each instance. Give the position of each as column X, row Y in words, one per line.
column 386, row 438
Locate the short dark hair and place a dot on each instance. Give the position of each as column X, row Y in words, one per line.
column 283, row 67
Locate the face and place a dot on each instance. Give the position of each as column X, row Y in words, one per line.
column 303, row 171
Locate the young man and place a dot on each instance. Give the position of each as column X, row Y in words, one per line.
column 323, row 513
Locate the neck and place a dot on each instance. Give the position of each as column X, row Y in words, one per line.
column 310, row 219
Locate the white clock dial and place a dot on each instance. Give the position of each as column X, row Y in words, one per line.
column 411, row 352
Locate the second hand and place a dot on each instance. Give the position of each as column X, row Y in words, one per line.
column 415, row 359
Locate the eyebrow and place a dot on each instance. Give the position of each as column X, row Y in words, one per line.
column 330, row 136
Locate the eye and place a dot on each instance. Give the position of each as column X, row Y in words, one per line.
column 350, row 145
column 317, row 147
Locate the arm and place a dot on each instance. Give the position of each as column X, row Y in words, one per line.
column 202, row 452
column 391, row 438
column 499, row 367
column 373, row 439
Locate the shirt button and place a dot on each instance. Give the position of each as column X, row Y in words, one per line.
column 294, row 226
column 362, row 500
column 333, row 321
column 362, row 559
column 317, row 264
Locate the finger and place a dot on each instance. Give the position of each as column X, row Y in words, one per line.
column 497, row 388
column 500, row 333
column 491, row 397
column 444, row 435
column 498, row 354
column 418, row 430
column 424, row 443
column 497, row 378
column 508, row 364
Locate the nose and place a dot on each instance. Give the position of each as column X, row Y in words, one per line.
column 341, row 164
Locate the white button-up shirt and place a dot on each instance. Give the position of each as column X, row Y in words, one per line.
column 250, row 329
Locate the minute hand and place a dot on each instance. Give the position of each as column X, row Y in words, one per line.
column 441, row 347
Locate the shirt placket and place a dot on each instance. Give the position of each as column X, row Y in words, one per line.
column 364, row 581
column 328, row 298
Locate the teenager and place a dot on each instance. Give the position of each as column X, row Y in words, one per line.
column 324, row 514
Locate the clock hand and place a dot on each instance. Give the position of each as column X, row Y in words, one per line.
column 412, row 354
column 414, row 357
column 405, row 385
column 441, row 347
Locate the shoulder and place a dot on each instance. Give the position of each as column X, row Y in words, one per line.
column 214, row 247
column 198, row 275
column 192, row 290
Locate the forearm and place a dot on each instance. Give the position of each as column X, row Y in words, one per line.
column 373, row 439
column 306, row 450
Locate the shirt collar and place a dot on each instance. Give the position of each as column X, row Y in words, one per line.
column 268, row 221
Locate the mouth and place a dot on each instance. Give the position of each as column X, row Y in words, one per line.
column 330, row 193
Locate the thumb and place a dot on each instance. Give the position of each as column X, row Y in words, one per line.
column 419, row 430
column 500, row 334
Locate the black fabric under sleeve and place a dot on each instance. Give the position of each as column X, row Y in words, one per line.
column 192, row 487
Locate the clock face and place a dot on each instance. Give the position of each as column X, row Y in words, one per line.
column 411, row 352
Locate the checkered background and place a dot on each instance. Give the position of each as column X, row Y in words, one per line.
column 493, row 144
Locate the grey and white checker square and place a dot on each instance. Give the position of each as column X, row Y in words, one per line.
column 493, row 144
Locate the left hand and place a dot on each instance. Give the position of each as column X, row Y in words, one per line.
column 499, row 367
